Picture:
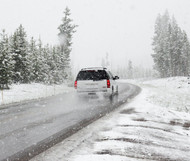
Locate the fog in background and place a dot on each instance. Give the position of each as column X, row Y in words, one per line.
column 121, row 28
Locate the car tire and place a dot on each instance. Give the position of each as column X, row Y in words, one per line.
column 117, row 91
column 112, row 93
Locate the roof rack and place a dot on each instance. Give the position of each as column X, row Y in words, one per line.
column 94, row 68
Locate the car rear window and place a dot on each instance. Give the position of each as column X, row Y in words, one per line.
column 92, row 75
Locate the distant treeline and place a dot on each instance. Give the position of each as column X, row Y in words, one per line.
column 128, row 71
column 23, row 61
column 171, row 48
column 134, row 72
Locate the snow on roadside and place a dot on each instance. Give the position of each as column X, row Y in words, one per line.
column 24, row 92
column 143, row 129
column 173, row 93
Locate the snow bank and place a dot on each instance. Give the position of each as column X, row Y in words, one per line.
column 25, row 92
column 173, row 93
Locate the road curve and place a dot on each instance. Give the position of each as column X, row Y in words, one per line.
column 29, row 129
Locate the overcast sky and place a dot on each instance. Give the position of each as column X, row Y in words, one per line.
column 121, row 28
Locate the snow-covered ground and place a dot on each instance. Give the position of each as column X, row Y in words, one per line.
column 153, row 126
column 25, row 92
column 173, row 93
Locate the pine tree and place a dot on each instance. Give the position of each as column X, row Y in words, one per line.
column 106, row 62
column 33, row 59
column 171, row 48
column 55, row 66
column 41, row 62
column 5, row 61
column 19, row 50
column 160, row 44
column 185, row 53
column 176, row 45
column 52, row 64
column 130, row 69
column 66, row 30
column 46, row 65
column 103, row 63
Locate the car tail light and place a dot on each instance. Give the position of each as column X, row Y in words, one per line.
column 75, row 84
column 108, row 83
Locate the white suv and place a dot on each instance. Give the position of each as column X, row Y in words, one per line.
column 96, row 80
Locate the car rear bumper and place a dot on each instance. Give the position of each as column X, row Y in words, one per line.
column 92, row 91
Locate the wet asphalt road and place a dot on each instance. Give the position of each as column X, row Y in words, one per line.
column 28, row 129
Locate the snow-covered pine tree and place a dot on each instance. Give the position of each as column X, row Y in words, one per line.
column 103, row 62
column 52, row 62
column 41, row 61
column 33, row 58
column 55, row 64
column 19, row 50
column 58, row 59
column 176, row 47
column 5, row 61
column 185, row 53
column 160, row 44
column 170, row 52
column 107, row 61
column 16, row 58
column 130, row 70
column 60, row 65
column 170, row 48
column 46, row 74
column 66, row 30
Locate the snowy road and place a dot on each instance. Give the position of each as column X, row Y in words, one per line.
column 31, row 128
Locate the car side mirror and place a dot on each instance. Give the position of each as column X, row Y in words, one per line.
column 116, row 77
